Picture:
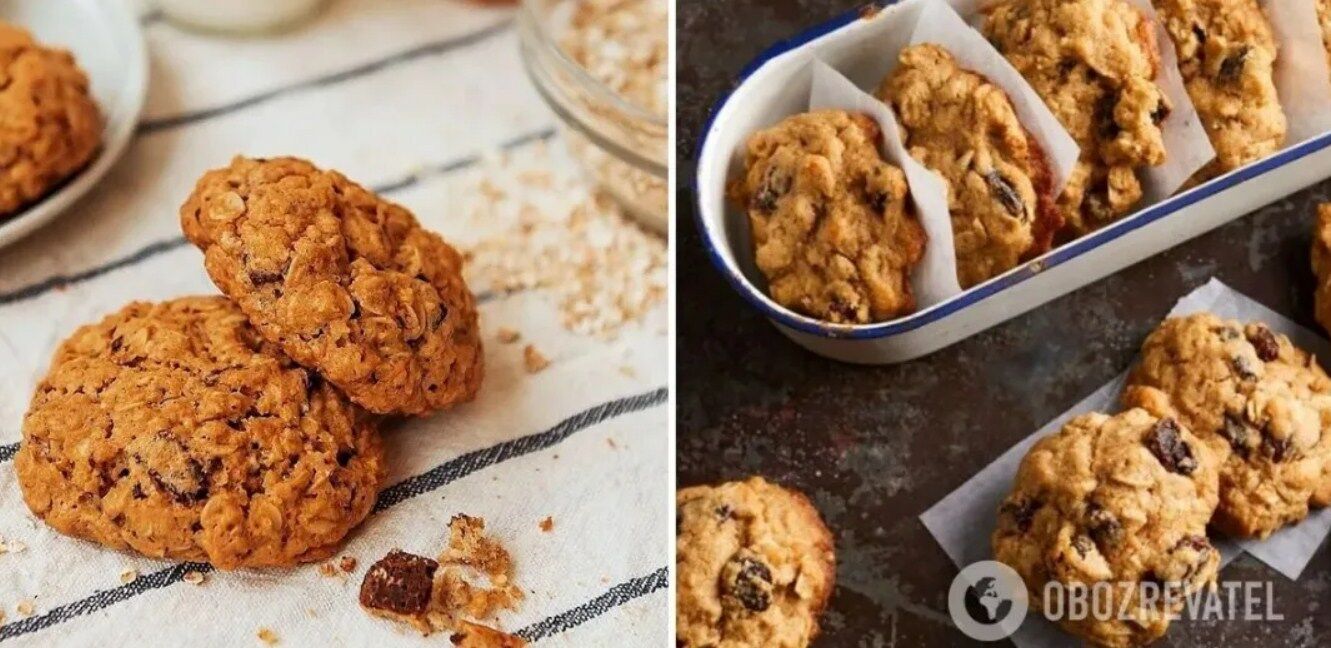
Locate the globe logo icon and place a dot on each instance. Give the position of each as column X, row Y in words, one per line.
column 988, row 601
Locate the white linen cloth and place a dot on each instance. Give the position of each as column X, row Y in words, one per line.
column 407, row 97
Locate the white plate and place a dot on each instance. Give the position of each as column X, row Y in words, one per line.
column 106, row 38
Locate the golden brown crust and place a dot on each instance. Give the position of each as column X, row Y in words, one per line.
column 965, row 129
column 1321, row 259
column 1227, row 55
column 1261, row 404
column 174, row 430
column 1113, row 501
column 1094, row 62
column 49, row 125
column 344, row 281
column 833, row 228
column 755, row 566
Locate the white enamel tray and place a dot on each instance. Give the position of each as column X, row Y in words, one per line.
column 777, row 85
column 106, row 38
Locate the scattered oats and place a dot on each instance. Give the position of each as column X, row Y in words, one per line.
column 533, row 359
column 128, row 575
column 193, row 577
column 348, row 564
column 16, row 546
column 25, row 607
column 327, row 569
column 625, row 46
column 548, row 524
column 507, row 335
column 268, row 636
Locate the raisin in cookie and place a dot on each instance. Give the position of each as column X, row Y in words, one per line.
column 347, row 283
column 1260, row 403
column 1227, row 54
column 755, row 566
column 1094, row 62
column 833, row 229
column 1115, row 502
column 965, row 129
column 174, row 430
column 49, row 126
column 1321, row 257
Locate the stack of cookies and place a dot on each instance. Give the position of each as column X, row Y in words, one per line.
column 241, row 429
column 1228, row 426
column 837, row 240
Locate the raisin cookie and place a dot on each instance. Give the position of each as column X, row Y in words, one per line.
column 1094, row 62
column 1321, row 257
column 1116, row 502
column 175, row 430
column 1227, row 55
column 49, row 125
column 347, row 283
column 755, row 566
column 833, row 229
column 965, row 129
column 1260, row 403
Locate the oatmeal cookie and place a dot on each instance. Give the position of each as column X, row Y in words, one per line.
column 1094, row 62
column 50, row 127
column 174, row 430
column 755, row 566
column 834, row 231
column 1117, row 502
column 347, row 283
column 1260, row 403
column 965, row 129
column 1227, row 54
column 1321, row 256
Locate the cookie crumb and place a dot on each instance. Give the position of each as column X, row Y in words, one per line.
column 347, row 564
column 267, row 636
column 327, row 569
column 128, row 575
column 193, row 577
column 534, row 360
column 474, row 635
column 628, row 372
column 548, row 524
column 16, row 546
column 611, row 442
column 25, row 607
column 507, row 335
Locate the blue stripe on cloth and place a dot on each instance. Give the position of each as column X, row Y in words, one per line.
column 615, row 597
column 393, row 495
column 420, row 51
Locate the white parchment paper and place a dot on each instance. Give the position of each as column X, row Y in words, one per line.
column 963, row 521
column 1187, row 146
column 935, row 279
column 1303, row 77
column 940, row 24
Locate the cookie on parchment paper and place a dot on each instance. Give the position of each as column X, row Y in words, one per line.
column 1118, row 503
column 345, row 282
column 175, row 430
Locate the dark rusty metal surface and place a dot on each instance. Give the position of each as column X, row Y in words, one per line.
column 875, row 447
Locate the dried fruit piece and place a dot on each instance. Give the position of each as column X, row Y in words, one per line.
column 1005, row 194
column 749, row 581
column 1264, row 341
column 399, row 583
column 1277, row 449
column 774, row 185
column 1244, row 367
column 1235, row 430
column 1232, row 66
column 1022, row 512
column 1104, row 528
column 1165, row 442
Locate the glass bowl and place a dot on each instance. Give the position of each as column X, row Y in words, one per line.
column 622, row 146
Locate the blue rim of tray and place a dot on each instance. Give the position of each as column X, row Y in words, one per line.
column 1049, row 260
